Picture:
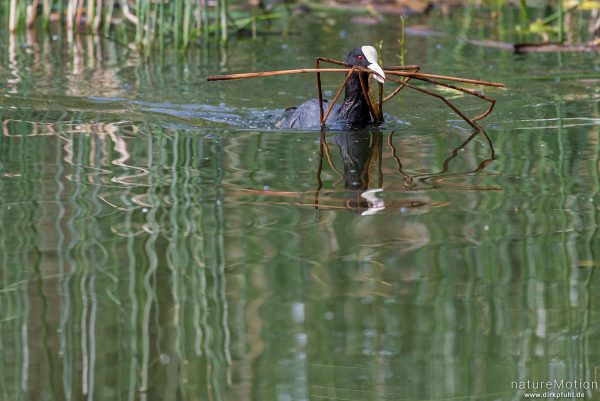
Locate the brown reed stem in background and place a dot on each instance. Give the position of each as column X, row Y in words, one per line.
column 12, row 23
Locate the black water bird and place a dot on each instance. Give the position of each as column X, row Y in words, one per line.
column 354, row 110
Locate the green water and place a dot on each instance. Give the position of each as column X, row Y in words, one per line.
column 161, row 240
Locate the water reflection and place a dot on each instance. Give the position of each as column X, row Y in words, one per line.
column 433, row 180
column 13, row 65
column 362, row 156
column 143, row 256
column 135, row 267
column 358, row 150
column 103, row 220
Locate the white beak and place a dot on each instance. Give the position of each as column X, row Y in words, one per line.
column 379, row 74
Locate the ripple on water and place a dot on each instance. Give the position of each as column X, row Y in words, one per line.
column 168, row 209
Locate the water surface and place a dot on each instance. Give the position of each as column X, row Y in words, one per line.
column 161, row 240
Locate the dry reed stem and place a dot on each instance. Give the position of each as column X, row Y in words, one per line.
column 414, row 68
column 335, row 98
column 272, row 73
column 443, row 99
column 444, row 78
column 376, row 108
column 12, row 24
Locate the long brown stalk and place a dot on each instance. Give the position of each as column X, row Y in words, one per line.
column 414, row 68
column 408, row 72
column 332, row 61
column 401, row 67
column 444, row 78
column 320, row 92
column 386, row 70
column 467, row 91
column 272, row 73
column 380, row 87
column 335, row 98
column 443, row 99
column 365, row 88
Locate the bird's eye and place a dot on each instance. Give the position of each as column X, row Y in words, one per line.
column 360, row 58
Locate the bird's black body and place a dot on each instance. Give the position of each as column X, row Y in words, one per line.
column 354, row 110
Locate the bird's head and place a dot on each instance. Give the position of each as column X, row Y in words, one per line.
column 366, row 56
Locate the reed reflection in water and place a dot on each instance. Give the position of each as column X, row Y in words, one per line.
column 164, row 257
column 102, row 217
column 144, row 262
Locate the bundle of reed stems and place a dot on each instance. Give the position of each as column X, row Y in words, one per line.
column 153, row 20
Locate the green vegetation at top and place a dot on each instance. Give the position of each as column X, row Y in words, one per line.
column 153, row 20
column 157, row 24
column 558, row 18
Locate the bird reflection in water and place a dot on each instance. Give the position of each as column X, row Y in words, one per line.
column 361, row 152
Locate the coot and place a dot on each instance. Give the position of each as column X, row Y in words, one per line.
column 353, row 112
